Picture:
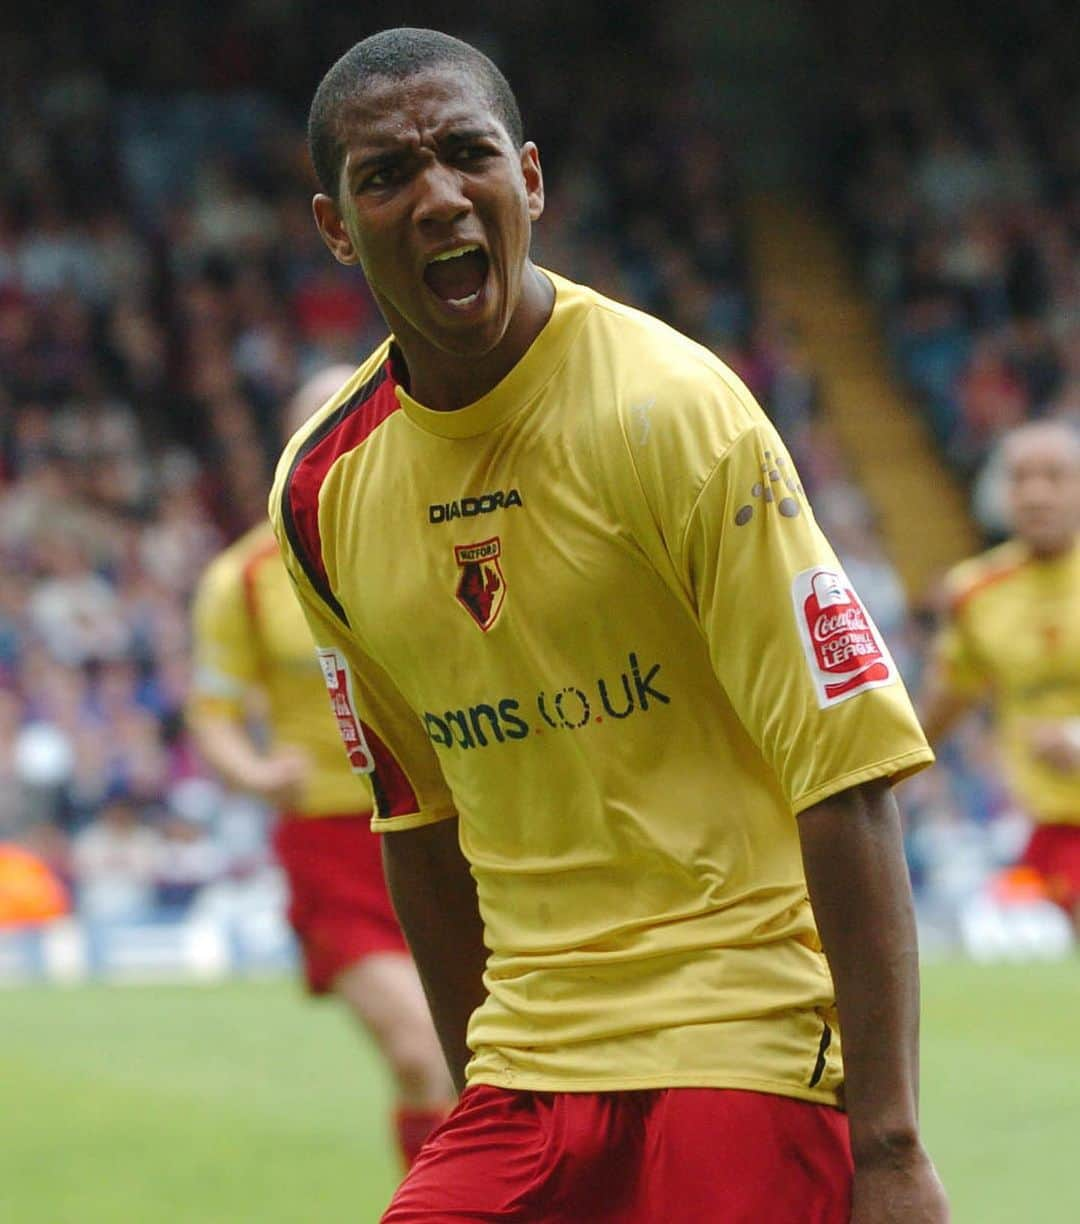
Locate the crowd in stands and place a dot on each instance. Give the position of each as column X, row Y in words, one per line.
column 163, row 291
column 962, row 187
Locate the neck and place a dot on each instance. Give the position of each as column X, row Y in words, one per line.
column 445, row 381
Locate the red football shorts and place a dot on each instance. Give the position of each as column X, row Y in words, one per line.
column 338, row 903
column 671, row 1156
column 1054, row 852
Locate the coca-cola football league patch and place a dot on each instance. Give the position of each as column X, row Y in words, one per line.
column 843, row 647
column 335, row 670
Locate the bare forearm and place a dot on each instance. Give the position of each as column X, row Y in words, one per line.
column 858, row 882
column 227, row 748
column 434, row 895
column 940, row 708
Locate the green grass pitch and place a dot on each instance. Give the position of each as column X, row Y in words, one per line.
column 243, row 1102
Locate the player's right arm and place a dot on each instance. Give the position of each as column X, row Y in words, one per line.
column 434, row 895
column 226, row 674
column 430, row 884
column 227, row 747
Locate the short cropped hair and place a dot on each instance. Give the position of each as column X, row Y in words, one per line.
column 397, row 55
column 1059, row 434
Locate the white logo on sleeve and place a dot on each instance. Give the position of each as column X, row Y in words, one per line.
column 843, row 647
column 335, row 670
column 642, row 420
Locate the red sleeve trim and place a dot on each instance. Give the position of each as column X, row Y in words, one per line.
column 394, row 795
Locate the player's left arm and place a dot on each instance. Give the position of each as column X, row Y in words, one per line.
column 941, row 705
column 955, row 679
column 857, row 878
column 813, row 683
column 802, row 663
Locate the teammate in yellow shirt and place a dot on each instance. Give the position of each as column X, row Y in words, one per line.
column 252, row 644
column 623, row 714
column 1011, row 639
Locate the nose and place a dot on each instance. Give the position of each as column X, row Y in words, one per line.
column 441, row 199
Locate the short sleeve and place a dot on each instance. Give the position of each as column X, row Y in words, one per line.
column 802, row 663
column 381, row 735
column 958, row 664
column 226, row 658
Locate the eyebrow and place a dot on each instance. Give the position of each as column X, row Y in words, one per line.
column 391, row 157
column 377, row 161
column 467, row 135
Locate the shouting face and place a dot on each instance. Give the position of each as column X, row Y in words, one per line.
column 436, row 204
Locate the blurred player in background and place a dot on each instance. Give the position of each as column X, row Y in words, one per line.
column 596, row 655
column 252, row 645
column 1011, row 640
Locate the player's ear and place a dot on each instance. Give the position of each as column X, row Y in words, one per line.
column 332, row 228
column 534, row 179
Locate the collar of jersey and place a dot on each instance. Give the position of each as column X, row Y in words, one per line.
column 520, row 386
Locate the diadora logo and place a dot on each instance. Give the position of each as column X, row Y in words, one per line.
column 481, row 589
column 570, row 708
column 469, row 507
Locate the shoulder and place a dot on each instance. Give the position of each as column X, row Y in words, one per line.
column 229, row 567
column 666, row 389
column 333, row 425
column 257, row 548
column 968, row 583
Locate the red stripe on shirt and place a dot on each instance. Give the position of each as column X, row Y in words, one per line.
column 343, row 431
column 962, row 598
column 394, row 795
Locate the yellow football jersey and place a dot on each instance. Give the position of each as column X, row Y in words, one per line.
column 592, row 614
column 1012, row 635
column 250, row 635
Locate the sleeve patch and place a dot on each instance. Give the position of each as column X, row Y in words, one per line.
column 335, row 670
column 844, row 650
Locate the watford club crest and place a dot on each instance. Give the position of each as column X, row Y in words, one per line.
column 481, row 588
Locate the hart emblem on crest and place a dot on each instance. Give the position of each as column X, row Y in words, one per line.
column 481, row 589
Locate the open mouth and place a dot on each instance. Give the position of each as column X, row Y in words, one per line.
column 457, row 277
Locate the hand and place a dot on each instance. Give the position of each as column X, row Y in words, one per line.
column 1056, row 744
column 899, row 1190
column 281, row 777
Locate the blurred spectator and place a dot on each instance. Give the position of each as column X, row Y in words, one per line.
column 74, row 610
column 961, row 189
column 11, row 805
column 188, row 860
column 116, row 860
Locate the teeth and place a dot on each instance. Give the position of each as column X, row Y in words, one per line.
column 465, row 301
column 456, row 253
